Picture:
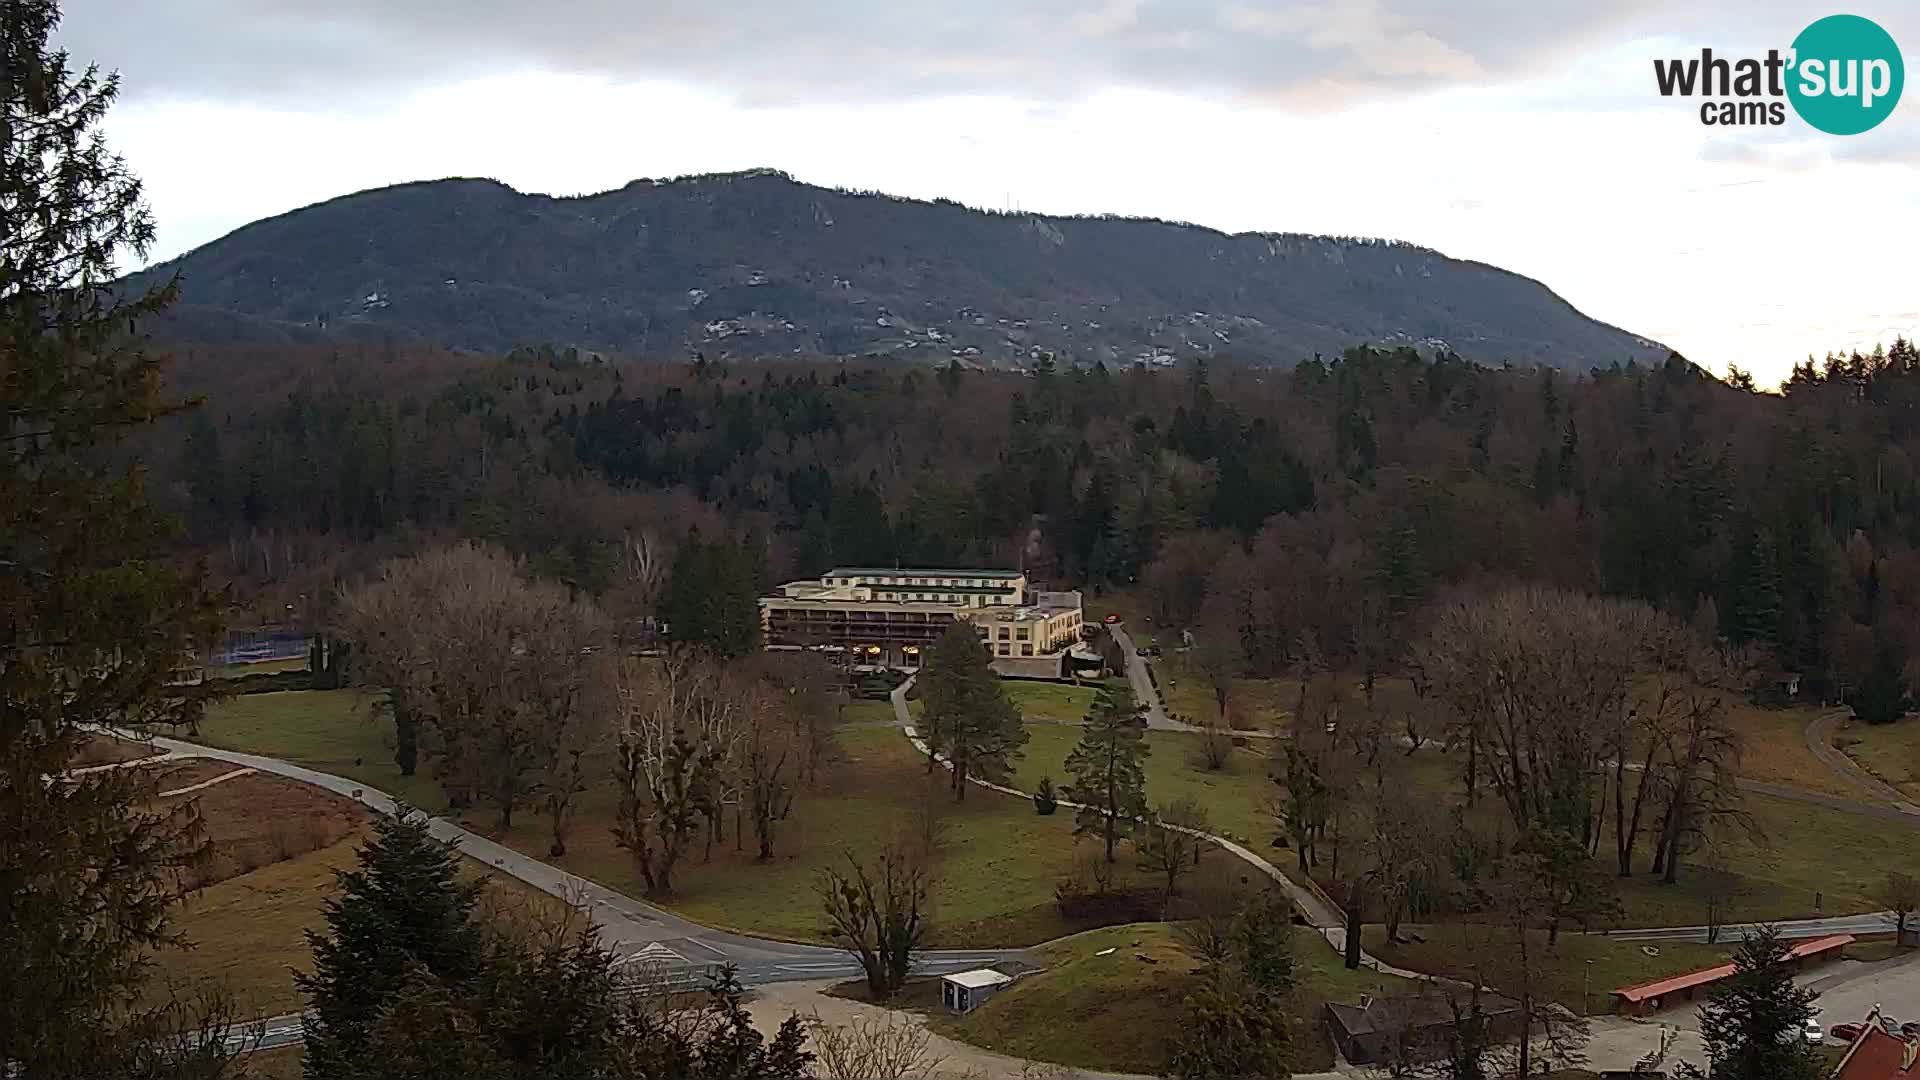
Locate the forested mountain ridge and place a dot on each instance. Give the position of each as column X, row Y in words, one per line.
column 1314, row 513
column 752, row 265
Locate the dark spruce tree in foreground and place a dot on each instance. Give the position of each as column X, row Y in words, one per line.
column 402, row 914
column 1882, row 696
column 410, row 984
column 1752, row 1024
column 93, row 618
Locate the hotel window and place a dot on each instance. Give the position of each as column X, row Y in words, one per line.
column 1023, row 633
column 1026, row 650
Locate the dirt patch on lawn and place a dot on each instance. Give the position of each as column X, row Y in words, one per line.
column 259, row 819
column 107, row 750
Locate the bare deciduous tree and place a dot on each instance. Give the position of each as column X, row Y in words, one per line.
column 1900, row 892
column 666, row 764
column 1170, row 842
column 770, row 749
column 564, row 684
column 1535, row 678
column 814, row 696
column 879, row 914
column 495, row 666
column 887, row 1047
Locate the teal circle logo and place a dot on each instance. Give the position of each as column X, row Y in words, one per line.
column 1846, row 74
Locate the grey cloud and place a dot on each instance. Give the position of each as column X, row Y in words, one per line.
column 1895, row 141
column 317, row 54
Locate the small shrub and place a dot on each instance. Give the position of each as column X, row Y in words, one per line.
column 1045, row 802
column 281, row 837
column 267, row 682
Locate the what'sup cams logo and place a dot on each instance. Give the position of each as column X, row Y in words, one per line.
column 1842, row 75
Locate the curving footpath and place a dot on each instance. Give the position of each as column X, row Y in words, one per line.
column 1819, row 738
column 1877, row 799
column 1315, row 908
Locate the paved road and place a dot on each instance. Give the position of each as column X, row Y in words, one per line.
column 1876, row 922
column 627, row 926
column 1141, row 679
column 278, row 1031
column 1850, row 989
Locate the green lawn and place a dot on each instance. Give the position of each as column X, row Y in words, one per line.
column 1774, row 749
column 262, row 667
column 868, row 712
column 1888, row 751
column 1121, row 1013
column 1484, row 952
column 1062, row 702
column 999, row 861
column 1803, row 850
column 1812, row 852
column 1269, row 703
column 1235, row 798
column 335, row 731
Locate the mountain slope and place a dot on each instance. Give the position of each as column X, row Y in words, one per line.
column 753, row 264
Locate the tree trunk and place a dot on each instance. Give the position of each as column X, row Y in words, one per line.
column 1353, row 913
column 406, row 740
column 1673, row 860
column 1473, row 767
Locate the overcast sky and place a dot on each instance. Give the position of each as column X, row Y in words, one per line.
column 1523, row 133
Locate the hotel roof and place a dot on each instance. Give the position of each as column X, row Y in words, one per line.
column 911, row 571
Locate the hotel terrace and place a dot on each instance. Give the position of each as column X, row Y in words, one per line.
column 887, row 616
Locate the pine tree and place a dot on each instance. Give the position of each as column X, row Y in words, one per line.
column 1754, row 603
column 1232, row 1033
column 1109, row 779
column 712, row 595
column 95, row 623
column 1752, row 1024
column 402, row 910
column 968, row 715
column 1263, row 942
column 1882, row 696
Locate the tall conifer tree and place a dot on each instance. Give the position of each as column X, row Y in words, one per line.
column 94, row 620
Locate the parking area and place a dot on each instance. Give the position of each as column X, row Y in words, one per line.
column 1850, row 989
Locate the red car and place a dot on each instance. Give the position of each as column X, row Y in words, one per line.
column 1111, row 618
column 1845, row 1032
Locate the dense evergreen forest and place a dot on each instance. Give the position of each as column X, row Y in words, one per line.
column 1310, row 512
